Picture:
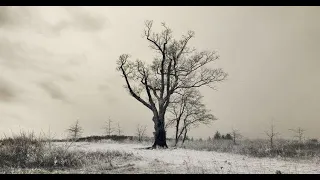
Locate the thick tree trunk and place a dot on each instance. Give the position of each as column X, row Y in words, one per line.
column 159, row 134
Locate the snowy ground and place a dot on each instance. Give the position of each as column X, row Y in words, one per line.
column 191, row 161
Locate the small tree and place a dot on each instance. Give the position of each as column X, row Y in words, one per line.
column 108, row 128
column 235, row 135
column 271, row 134
column 119, row 130
column 298, row 133
column 217, row 135
column 186, row 112
column 75, row 130
column 141, row 130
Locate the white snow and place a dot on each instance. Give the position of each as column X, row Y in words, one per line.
column 191, row 161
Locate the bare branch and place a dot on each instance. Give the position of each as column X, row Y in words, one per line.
column 123, row 62
column 75, row 130
column 175, row 69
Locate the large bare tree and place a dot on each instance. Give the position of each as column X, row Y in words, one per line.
column 186, row 111
column 175, row 67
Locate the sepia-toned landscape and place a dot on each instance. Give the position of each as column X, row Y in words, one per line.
column 159, row 90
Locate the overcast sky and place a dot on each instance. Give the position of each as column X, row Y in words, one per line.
column 58, row 64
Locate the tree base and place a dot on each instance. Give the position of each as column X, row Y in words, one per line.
column 160, row 139
column 160, row 146
column 152, row 148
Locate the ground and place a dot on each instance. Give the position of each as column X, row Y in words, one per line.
column 192, row 161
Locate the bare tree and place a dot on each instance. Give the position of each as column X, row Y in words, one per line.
column 175, row 67
column 272, row 134
column 185, row 136
column 141, row 130
column 235, row 135
column 299, row 132
column 75, row 130
column 108, row 128
column 187, row 111
column 119, row 130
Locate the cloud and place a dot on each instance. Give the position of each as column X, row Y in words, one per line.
column 4, row 16
column 67, row 77
column 16, row 55
column 108, row 93
column 81, row 20
column 103, row 87
column 21, row 56
column 54, row 91
column 77, row 60
column 111, row 99
column 75, row 18
column 11, row 116
column 8, row 92
column 14, row 16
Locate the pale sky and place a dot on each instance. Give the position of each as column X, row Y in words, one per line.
column 58, row 64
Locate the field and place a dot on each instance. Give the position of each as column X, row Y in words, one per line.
column 27, row 154
column 195, row 161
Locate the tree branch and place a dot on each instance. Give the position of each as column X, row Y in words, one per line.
column 123, row 60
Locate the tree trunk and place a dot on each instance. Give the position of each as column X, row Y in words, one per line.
column 160, row 133
column 177, row 131
column 185, row 135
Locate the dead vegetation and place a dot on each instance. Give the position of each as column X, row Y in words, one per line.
column 260, row 148
column 27, row 153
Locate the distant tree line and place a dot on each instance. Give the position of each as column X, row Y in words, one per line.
column 218, row 135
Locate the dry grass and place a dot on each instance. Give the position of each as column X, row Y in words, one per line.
column 24, row 153
column 259, row 148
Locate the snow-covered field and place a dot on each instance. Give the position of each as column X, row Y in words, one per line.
column 191, row 161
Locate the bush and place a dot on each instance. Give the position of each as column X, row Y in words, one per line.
column 20, row 151
column 312, row 141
